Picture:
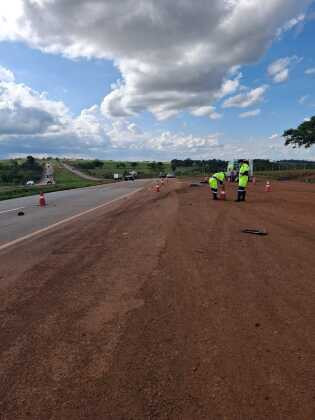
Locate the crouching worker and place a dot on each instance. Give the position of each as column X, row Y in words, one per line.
column 214, row 182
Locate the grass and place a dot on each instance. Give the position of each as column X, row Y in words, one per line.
column 294, row 174
column 64, row 179
column 110, row 167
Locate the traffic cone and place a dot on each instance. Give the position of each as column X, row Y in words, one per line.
column 157, row 188
column 42, row 200
column 268, row 186
column 222, row 194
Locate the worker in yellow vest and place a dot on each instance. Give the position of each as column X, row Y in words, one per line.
column 214, row 181
column 243, row 180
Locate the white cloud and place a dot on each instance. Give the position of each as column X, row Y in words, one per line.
column 282, row 76
column 6, row 75
column 291, row 24
column 279, row 69
column 25, row 111
column 169, row 61
column 32, row 123
column 303, row 99
column 206, row 111
column 245, row 100
column 273, row 136
column 310, row 71
column 29, row 119
column 230, row 86
column 250, row 114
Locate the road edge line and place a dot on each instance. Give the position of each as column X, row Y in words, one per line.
column 64, row 221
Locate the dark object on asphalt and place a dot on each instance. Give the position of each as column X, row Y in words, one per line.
column 21, row 213
column 255, row 232
column 194, row 185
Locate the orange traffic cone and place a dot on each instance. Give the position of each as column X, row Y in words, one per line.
column 223, row 195
column 268, row 186
column 157, row 188
column 42, row 200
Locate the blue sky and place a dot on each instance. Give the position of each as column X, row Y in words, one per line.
column 127, row 85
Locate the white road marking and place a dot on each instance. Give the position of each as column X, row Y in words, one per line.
column 8, row 211
column 67, row 220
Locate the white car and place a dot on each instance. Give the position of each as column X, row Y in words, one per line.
column 30, row 183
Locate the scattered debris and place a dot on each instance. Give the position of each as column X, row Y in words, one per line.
column 255, row 232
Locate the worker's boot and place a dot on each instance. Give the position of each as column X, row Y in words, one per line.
column 244, row 196
column 239, row 196
column 215, row 196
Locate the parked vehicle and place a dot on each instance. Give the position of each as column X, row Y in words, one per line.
column 117, row 177
column 171, row 175
column 30, row 183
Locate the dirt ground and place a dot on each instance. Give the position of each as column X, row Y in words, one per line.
column 160, row 308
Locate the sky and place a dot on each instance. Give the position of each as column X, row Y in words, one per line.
column 155, row 79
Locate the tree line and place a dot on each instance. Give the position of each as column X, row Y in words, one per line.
column 16, row 172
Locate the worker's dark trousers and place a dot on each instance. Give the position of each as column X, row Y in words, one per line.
column 214, row 193
column 241, row 194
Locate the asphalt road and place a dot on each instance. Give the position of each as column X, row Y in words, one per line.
column 48, row 175
column 60, row 205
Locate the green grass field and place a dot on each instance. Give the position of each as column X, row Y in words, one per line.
column 20, row 191
column 109, row 167
column 64, row 179
column 307, row 175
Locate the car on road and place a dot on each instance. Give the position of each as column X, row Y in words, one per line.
column 129, row 178
column 171, row 175
column 30, row 183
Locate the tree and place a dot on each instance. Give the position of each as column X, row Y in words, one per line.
column 134, row 164
column 97, row 163
column 304, row 135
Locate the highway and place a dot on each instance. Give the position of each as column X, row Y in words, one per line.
column 48, row 175
column 61, row 205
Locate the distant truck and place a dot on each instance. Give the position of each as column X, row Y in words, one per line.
column 117, row 177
